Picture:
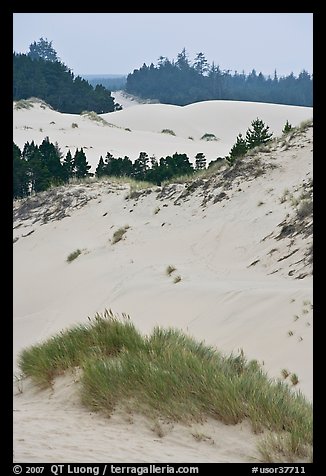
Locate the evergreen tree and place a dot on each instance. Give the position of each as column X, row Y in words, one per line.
column 81, row 164
column 238, row 149
column 42, row 50
column 100, row 169
column 258, row 134
column 201, row 64
column 182, row 60
column 20, row 174
column 37, row 170
column 141, row 166
column 68, row 167
column 200, row 161
column 51, row 156
column 287, row 127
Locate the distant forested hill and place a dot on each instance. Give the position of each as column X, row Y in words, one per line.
column 54, row 82
column 182, row 82
column 112, row 82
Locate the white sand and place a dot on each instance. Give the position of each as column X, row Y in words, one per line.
column 220, row 298
column 224, row 119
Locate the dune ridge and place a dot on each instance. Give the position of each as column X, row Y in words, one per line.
column 241, row 242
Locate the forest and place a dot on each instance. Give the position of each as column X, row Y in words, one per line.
column 41, row 74
column 183, row 82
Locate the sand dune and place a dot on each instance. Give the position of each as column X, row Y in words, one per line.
column 246, row 279
column 136, row 129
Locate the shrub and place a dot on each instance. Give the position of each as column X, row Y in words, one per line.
column 73, row 255
column 117, row 235
column 208, row 137
column 305, row 209
column 168, row 131
column 74, row 125
column 177, row 279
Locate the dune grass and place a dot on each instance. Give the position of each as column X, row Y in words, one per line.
column 118, row 235
column 170, row 375
column 208, row 137
column 93, row 116
column 168, row 131
column 72, row 256
column 170, row 269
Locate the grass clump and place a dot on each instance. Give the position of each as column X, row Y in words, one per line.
column 168, row 131
column 169, row 375
column 73, row 255
column 118, row 235
column 305, row 209
column 208, row 137
column 177, row 279
column 93, row 116
column 74, row 125
column 285, row 373
column 170, row 269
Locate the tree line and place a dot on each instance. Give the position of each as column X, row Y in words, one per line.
column 41, row 74
column 182, row 82
column 36, row 168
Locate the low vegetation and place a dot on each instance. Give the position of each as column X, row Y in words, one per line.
column 93, row 116
column 118, row 235
column 169, row 375
column 73, row 255
column 168, row 131
column 208, row 137
column 170, row 269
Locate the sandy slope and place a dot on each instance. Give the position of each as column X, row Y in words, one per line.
column 136, row 129
column 128, row 100
column 245, row 276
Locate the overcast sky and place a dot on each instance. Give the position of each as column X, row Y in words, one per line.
column 118, row 43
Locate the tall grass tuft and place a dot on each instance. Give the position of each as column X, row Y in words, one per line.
column 169, row 375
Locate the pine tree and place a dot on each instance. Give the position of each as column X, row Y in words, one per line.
column 140, row 166
column 200, row 161
column 43, row 50
column 20, row 174
column 68, row 167
column 81, row 164
column 37, row 170
column 238, row 149
column 100, row 169
column 287, row 127
column 51, row 156
column 258, row 134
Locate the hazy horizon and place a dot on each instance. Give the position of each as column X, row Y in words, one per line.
column 118, row 43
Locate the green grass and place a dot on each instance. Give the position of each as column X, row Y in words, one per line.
column 169, row 375
column 73, row 255
column 118, row 235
